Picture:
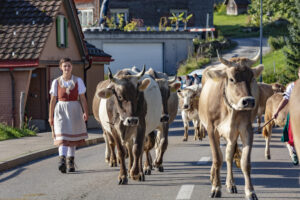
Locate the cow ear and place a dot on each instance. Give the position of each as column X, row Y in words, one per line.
column 216, row 74
column 257, row 70
column 105, row 93
column 174, row 87
column 144, row 84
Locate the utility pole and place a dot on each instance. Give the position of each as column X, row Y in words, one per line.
column 261, row 34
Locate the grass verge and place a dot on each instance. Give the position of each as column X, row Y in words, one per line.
column 8, row 132
column 191, row 64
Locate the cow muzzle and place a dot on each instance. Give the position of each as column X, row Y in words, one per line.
column 131, row 121
column 165, row 118
column 247, row 103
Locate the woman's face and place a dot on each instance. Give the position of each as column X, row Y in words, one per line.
column 299, row 73
column 66, row 68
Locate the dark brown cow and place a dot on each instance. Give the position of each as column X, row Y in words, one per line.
column 126, row 113
column 294, row 110
column 227, row 108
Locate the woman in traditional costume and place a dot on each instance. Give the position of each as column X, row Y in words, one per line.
column 67, row 116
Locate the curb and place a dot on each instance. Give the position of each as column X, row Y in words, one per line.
column 23, row 159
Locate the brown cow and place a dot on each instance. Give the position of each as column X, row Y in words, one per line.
column 265, row 91
column 271, row 107
column 188, row 103
column 126, row 111
column 227, row 108
column 294, row 110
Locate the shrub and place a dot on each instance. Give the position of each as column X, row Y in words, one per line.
column 221, row 9
column 8, row 132
column 276, row 43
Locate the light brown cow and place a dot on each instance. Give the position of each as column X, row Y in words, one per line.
column 227, row 108
column 188, row 104
column 265, row 91
column 294, row 110
column 271, row 107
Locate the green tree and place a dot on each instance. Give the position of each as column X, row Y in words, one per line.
column 292, row 50
column 272, row 10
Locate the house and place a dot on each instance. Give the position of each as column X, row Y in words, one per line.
column 149, row 13
column 34, row 36
column 236, row 7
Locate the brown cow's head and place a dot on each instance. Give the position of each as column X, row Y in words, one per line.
column 277, row 87
column 189, row 96
column 166, row 87
column 127, row 93
column 240, row 90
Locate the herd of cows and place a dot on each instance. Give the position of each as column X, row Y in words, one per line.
column 135, row 109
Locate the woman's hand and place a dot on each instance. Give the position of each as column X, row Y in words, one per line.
column 85, row 116
column 50, row 121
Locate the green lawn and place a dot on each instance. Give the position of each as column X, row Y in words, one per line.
column 7, row 132
column 270, row 74
column 191, row 64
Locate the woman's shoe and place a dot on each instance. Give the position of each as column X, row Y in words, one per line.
column 62, row 164
column 295, row 159
column 70, row 164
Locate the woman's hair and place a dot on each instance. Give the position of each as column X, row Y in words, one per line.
column 63, row 60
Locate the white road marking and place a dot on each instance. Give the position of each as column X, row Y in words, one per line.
column 185, row 192
column 204, row 160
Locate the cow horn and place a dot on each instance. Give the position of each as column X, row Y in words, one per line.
column 224, row 61
column 110, row 76
column 172, row 81
column 139, row 75
column 253, row 60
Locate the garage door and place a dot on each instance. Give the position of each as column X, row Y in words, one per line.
column 135, row 54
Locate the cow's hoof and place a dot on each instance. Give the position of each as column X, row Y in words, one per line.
column 142, row 177
column 107, row 160
column 252, row 197
column 232, row 189
column 268, row 157
column 147, row 171
column 123, row 181
column 160, row 168
column 184, row 139
column 216, row 194
column 113, row 164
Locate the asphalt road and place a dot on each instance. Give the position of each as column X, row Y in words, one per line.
column 186, row 175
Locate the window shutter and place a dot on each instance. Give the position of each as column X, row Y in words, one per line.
column 66, row 32
column 58, row 36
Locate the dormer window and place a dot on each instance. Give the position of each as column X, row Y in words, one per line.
column 86, row 17
column 115, row 12
column 61, row 31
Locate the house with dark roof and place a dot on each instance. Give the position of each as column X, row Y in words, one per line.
column 146, row 13
column 236, row 7
column 34, row 36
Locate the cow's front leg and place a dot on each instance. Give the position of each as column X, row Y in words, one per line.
column 230, row 149
column 247, row 139
column 128, row 146
column 149, row 144
column 186, row 125
column 137, row 150
column 161, row 147
column 121, row 154
column 217, row 160
column 197, row 129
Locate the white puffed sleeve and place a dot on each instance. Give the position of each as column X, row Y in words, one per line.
column 81, row 86
column 288, row 91
column 53, row 90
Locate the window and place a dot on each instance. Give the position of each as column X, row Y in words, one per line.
column 62, row 31
column 178, row 12
column 86, row 17
column 114, row 13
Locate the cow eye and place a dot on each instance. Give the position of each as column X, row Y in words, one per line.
column 120, row 98
column 231, row 80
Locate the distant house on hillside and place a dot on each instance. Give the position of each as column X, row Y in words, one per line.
column 147, row 13
column 236, row 7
